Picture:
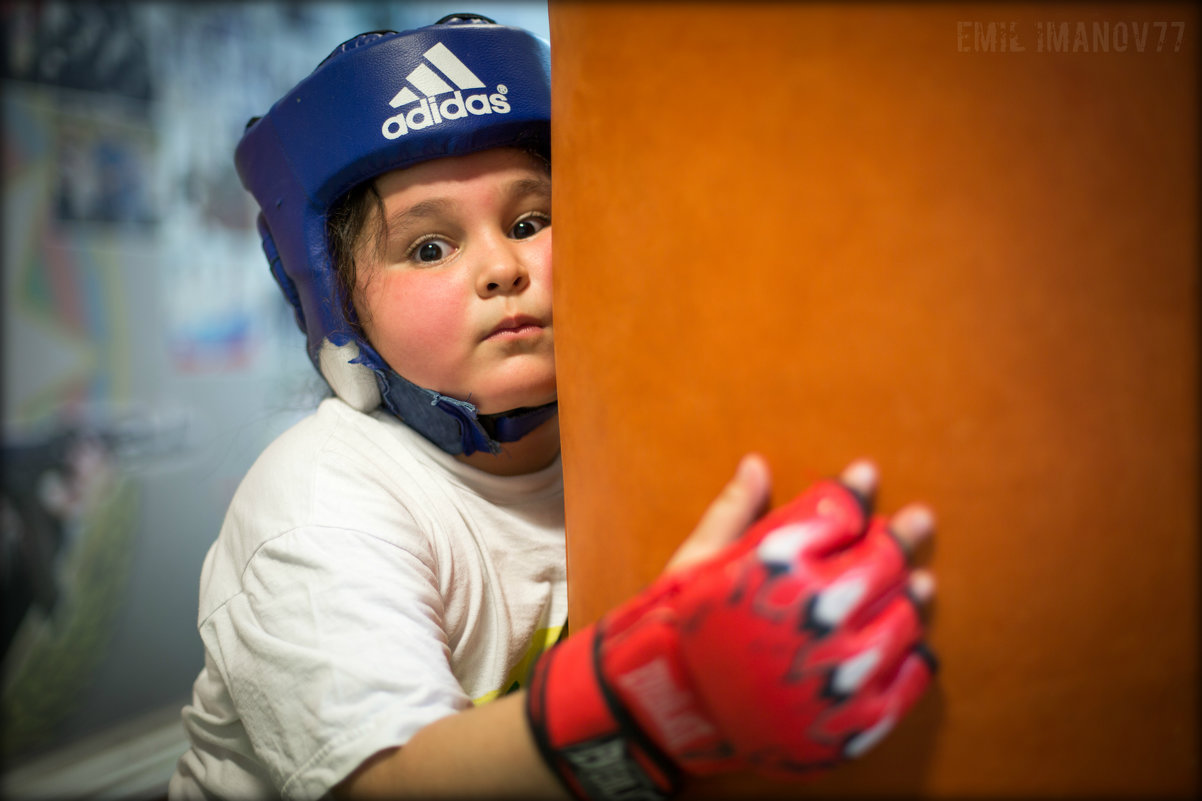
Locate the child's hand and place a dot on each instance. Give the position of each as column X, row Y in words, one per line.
column 784, row 651
column 741, row 502
column 745, row 497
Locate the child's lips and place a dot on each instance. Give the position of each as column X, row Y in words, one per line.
column 516, row 327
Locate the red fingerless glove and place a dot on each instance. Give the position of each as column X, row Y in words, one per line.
column 793, row 649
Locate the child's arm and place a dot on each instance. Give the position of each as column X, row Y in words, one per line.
column 482, row 752
column 489, row 751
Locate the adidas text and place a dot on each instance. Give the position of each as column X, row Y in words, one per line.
column 430, row 77
column 429, row 111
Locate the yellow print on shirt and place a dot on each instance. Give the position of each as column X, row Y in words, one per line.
column 542, row 640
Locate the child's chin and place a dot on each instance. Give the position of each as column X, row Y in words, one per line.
column 519, row 389
column 507, row 402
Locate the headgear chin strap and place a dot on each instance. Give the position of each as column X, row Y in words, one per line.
column 454, row 425
column 451, row 424
column 383, row 101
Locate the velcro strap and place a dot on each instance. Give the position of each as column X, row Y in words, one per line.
column 582, row 734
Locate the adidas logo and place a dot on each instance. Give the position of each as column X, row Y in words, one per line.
column 430, row 110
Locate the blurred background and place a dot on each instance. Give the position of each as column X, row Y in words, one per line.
column 147, row 355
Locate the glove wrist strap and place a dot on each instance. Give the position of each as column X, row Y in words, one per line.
column 585, row 736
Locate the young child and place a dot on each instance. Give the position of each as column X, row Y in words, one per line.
column 395, row 562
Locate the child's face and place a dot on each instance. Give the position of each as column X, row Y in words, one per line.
column 458, row 297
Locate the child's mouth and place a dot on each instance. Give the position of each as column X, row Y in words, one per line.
column 515, row 328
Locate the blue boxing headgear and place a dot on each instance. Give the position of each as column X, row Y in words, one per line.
column 383, row 101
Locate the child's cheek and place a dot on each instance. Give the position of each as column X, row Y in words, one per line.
column 428, row 311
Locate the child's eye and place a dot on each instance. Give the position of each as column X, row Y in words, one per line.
column 528, row 227
column 430, row 251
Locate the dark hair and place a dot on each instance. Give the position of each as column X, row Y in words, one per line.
column 356, row 215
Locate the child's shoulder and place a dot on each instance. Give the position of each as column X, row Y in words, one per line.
column 335, row 469
column 327, row 461
column 336, row 441
column 335, row 473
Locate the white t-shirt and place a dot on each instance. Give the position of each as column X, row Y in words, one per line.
column 364, row 584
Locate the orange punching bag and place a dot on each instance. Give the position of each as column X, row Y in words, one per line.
column 961, row 240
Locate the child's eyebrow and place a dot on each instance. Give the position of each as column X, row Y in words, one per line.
column 530, row 186
column 404, row 218
column 410, row 216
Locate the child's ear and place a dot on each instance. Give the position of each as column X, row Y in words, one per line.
column 355, row 384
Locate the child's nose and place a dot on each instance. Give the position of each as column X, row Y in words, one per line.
column 502, row 272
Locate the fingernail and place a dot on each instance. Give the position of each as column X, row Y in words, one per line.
column 742, row 469
column 860, row 476
column 746, row 470
column 918, row 519
column 922, row 585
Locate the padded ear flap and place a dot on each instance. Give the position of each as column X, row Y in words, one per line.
column 277, row 272
column 353, row 383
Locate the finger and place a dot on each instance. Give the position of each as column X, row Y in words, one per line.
column 859, row 581
column 828, row 517
column 921, row 588
column 741, row 501
column 912, row 526
column 872, row 717
column 862, row 478
column 875, row 651
column 911, row 682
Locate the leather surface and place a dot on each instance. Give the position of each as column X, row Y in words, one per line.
column 825, row 232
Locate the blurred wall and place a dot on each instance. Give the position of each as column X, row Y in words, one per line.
column 148, row 356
